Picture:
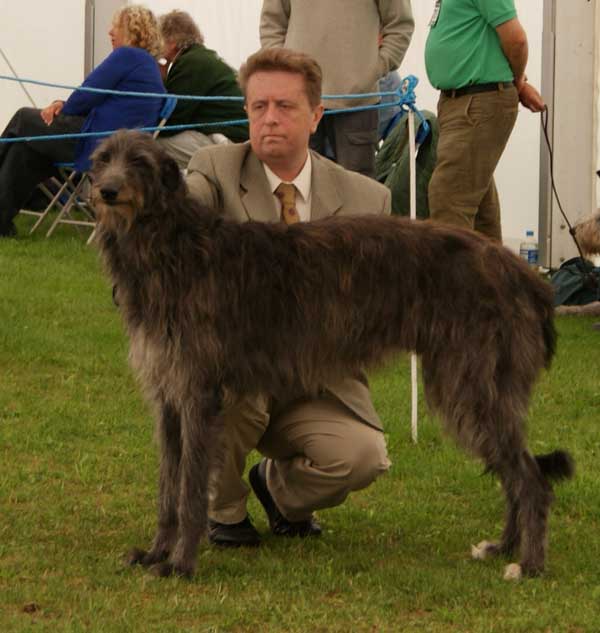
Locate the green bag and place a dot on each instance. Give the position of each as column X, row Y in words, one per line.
column 392, row 164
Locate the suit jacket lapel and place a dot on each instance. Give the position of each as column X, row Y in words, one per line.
column 326, row 197
column 255, row 192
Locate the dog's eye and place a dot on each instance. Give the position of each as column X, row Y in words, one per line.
column 102, row 157
column 140, row 162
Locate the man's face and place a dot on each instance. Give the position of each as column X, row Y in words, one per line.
column 280, row 117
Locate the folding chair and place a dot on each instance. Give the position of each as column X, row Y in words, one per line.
column 44, row 188
column 72, row 188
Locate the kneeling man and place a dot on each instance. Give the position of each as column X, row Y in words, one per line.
column 317, row 448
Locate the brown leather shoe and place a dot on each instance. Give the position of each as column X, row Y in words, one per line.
column 280, row 526
column 242, row 534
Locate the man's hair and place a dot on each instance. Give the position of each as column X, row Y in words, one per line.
column 179, row 27
column 285, row 60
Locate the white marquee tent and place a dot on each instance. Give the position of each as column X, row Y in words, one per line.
column 57, row 41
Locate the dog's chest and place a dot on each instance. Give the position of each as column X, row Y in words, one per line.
column 151, row 360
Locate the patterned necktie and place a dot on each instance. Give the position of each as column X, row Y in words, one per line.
column 286, row 192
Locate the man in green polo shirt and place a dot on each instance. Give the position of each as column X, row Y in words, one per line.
column 476, row 54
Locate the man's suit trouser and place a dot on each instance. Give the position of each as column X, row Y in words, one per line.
column 318, row 452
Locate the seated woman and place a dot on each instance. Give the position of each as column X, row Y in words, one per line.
column 196, row 70
column 132, row 66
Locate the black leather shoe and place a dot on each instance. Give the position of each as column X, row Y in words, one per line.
column 278, row 523
column 242, row 534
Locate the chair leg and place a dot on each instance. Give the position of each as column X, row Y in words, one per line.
column 66, row 208
column 90, row 239
column 53, row 200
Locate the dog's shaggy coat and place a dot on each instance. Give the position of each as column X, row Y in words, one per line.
column 214, row 307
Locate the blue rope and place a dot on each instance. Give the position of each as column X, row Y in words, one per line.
column 405, row 94
column 126, row 93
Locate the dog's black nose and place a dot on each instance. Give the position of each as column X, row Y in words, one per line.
column 108, row 194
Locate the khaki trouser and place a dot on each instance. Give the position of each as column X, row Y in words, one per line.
column 474, row 130
column 318, row 451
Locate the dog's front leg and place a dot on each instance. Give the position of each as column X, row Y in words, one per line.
column 169, row 436
column 200, row 431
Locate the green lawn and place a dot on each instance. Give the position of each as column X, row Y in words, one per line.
column 78, row 473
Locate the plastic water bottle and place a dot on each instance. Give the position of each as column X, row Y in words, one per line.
column 529, row 250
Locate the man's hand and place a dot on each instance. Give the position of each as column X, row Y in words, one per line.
column 49, row 112
column 531, row 98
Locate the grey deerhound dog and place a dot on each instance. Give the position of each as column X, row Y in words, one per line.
column 216, row 309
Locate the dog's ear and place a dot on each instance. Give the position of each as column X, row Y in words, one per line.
column 170, row 174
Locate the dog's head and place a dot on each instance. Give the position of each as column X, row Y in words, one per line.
column 132, row 176
column 587, row 233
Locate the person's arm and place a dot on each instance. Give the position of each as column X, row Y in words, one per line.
column 514, row 45
column 106, row 75
column 201, row 181
column 397, row 26
column 274, row 18
column 513, row 40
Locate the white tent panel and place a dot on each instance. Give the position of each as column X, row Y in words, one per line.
column 43, row 41
column 231, row 28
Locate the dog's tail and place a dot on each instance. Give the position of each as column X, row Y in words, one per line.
column 557, row 465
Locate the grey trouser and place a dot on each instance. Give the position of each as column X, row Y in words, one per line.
column 474, row 130
column 318, row 451
column 184, row 145
column 349, row 139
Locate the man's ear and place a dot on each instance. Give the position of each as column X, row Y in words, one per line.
column 170, row 174
column 317, row 116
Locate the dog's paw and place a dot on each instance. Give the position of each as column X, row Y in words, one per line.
column 141, row 557
column 513, row 572
column 165, row 570
column 484, row 550
column 135, row 556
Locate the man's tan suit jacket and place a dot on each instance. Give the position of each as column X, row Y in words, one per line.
column 232, row 178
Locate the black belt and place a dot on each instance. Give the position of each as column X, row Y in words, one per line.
column 475, row 88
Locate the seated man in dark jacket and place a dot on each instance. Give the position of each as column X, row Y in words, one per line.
column 196, row 70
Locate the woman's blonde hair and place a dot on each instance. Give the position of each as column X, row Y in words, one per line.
column 139, row 27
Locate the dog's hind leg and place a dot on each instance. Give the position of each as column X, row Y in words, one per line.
column 483, row 400
column 200, row 433
column 528, row 498
column 534, row 497
column 511, row 535
column 169, row 436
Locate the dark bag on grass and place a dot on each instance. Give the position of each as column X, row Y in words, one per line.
column 576, row 282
